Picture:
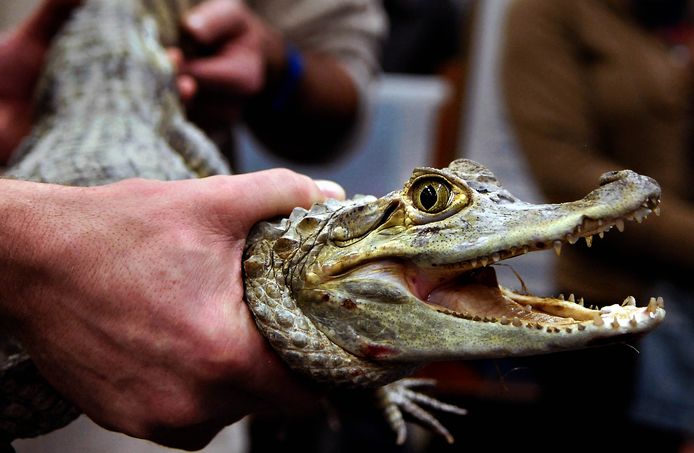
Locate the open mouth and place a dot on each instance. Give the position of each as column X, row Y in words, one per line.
column 471, row 291
column 477, row 295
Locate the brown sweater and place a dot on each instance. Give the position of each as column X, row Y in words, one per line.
column 589, row 90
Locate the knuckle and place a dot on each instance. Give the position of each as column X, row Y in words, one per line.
column 176, row 412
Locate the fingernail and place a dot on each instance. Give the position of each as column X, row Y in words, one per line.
column 195, row 22
column 330, row 189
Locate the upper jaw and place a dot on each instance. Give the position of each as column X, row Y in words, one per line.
column 498, row 231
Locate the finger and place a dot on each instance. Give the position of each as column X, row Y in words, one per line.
column 187, row 87
column 238, row 70
column 175, row 56
column 216, row 20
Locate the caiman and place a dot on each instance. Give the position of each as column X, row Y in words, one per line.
column 355, row 293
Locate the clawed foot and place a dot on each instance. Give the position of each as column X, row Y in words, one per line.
column 398, row 396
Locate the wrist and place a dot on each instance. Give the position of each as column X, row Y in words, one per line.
column 26, row 242
column 284, row 71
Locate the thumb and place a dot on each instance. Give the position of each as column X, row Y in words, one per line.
column 263, row 195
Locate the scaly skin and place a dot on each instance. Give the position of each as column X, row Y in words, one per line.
column 362, row 292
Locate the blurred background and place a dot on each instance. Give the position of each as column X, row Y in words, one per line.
column 499, row 81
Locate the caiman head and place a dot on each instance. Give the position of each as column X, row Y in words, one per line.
column 408, row 277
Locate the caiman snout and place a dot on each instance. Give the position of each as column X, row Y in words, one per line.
column 627, row 176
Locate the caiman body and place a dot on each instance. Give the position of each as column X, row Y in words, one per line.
column 350, row 293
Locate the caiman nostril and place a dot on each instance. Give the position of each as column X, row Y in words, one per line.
column 612, row 176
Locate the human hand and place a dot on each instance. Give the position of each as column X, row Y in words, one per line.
column 136, row 310
column 22, row 53
column 237, row 56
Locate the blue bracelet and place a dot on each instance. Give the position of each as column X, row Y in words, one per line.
column 290, row 80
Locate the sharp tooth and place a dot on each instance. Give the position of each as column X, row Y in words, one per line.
column 601, row 234
column 473, row 263
column 589, row 240
column 660, row 302
column 581, row 302
column 615, row 323
column 597, row 320
column 516, row 321
column 629, row 302
column 571, row 238
column 484, row 261
column 561, row 296
column 496, row 257
column 652, row 306
column 633, row 322
column 557, row 247
column 572, row 298
column 657, row 211
column 620, row 224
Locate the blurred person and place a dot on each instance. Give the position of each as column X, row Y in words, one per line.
column 593, row 86
column 296, row 76
column 300, row 101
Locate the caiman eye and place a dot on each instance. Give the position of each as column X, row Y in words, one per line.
column 431, row 195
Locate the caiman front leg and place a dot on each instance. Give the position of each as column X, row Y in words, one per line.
column 398, row 396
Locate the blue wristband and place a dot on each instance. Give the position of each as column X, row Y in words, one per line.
column 290, row 80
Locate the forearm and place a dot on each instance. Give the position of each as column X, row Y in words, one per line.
column 25, row 239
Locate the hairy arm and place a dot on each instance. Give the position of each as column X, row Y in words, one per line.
column 129, row 299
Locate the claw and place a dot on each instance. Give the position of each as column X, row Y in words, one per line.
column 397, row 396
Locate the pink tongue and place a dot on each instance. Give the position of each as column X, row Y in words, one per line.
column 475, row 299
column 475, row 293
column 424, row 282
